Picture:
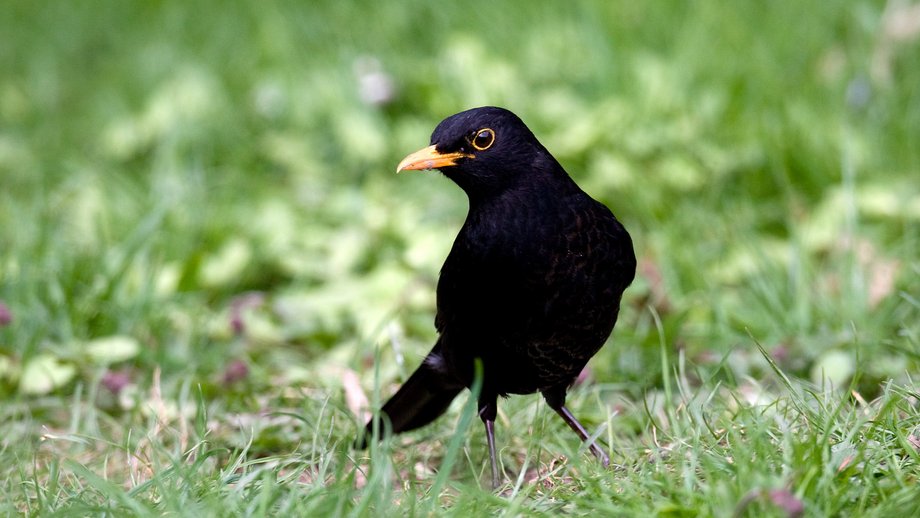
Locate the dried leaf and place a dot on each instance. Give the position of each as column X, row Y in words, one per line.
column 658, row 295
column 914, row 441
column 355, row 398
column 845, row 463
column 900, row 25
column 901, row 21
column 881, row 272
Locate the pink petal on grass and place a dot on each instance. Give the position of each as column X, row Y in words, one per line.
column 6, row 316
column 236, row 371
column 785, row 500
column 115, row 381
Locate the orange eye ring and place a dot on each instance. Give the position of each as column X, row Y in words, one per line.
column 483, row 139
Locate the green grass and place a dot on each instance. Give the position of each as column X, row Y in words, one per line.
column 201, row 238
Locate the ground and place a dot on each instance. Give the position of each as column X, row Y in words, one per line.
column 208, row 267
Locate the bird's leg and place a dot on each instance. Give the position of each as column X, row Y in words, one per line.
column 487, row 413
column 580, row 430
column 556, row 401
column 490, row 437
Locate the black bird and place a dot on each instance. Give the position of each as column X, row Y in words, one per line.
column 533, row 282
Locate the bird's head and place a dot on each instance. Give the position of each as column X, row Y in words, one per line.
column 484, row 150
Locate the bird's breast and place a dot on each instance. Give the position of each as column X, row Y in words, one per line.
column 518, row 264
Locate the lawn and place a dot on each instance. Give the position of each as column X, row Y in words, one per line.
column 209, row 270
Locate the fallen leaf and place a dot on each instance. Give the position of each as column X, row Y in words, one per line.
column 881, row 272
column 355, row 398
column 845, row 463
column 226, row 266
column 7, row 369
column 900, row 26
column 44, row 373
column 914, row 441
column 658, row 293
column 901, row 21
column 881, row 282
column 834, row 367
column 113, row 349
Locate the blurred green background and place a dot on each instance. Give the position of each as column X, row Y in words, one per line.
column 206, row 189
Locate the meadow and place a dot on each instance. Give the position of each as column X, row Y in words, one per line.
column 209, row 271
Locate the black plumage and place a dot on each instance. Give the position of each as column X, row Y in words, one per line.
column 532, row 284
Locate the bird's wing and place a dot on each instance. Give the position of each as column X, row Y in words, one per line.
column 546, row 291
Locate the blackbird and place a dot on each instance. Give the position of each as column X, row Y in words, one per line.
column 531, row 286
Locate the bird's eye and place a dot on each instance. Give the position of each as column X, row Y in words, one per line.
column 483, row 139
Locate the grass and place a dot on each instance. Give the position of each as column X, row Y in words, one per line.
column 205, row 260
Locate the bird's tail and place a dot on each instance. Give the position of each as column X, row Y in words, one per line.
column 422, row 399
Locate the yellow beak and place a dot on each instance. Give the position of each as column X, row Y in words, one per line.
column 429, row 158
